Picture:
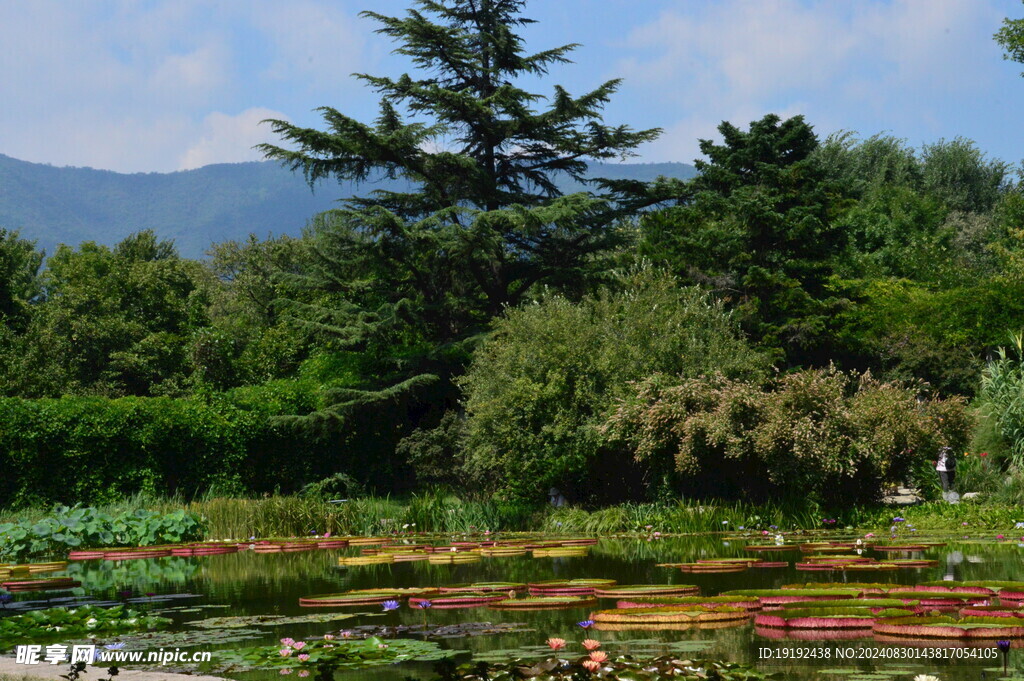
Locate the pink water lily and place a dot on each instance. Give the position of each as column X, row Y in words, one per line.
column 285, row 652
column 299, row 645
column 303, row 657
column 591, row 666
column 556, row 643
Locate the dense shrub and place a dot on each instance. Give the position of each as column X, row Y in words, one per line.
column 541, row 385
column 93, row 449
column 821, row 435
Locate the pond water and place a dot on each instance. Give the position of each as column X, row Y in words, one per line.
column 247, row 583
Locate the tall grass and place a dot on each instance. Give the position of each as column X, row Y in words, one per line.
column 443, row 512
column 683, row 517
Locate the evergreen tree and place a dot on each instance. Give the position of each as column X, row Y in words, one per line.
column 415, row 274
column 757, row 226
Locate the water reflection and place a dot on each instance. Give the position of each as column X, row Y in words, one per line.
column 271, row 584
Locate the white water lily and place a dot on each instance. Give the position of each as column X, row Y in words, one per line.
column 91, row 622
column 926, row 677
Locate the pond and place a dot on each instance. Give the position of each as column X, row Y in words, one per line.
column 251, row 584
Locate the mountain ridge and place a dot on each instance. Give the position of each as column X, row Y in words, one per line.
column 196, row 208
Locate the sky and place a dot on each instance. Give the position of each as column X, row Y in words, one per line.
column 166, row 85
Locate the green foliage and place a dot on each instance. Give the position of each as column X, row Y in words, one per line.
column 910, row 331
column 817, row 434
column 682, row 517
column 79, row 528
column 1002, row 398
column 316, row 655
column 757, row 227
column 619, row 667
column 410, row 277
column 109, row 448
column 69, row 623
column 1011, row 38
column 19, row 276
column 114, row 322
column 541, row 385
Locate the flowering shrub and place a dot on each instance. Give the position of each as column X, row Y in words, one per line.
column 543, row 382
column 819, row 434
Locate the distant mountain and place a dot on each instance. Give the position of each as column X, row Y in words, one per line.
column 194, row 207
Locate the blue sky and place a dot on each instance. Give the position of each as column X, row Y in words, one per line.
column 163, row 85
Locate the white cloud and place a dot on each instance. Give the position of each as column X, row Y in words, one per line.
column 230, row 139
column 314, row 43
column 133, row 86
column 737, row 60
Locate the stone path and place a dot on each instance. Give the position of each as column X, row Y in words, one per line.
column 903, row 497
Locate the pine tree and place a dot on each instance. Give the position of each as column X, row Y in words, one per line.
column 419, row 273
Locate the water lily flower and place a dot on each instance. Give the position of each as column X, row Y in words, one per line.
column 586, row 624
column 346, row 634
column 424, row 604
column 288, row 641
column 773, row 527
column 926, row 677
column 285, row 652
column 657, row 534
column 648, row 527
column 999, row 536
column 303, row 657
column 591, row 644
column 327, row 535
column 964, row 524
column 741, row 527
column 328, row 637
column 114, row 646
column 725, row 522
column 1004, row 646
column 765, row 532
column 390, row 605
column 869, row 535
column 299, row 645
column 591, row 666
column 303, row 672
column 556, row 643
column 598, row 656
column 285, row 672
column 382, row 646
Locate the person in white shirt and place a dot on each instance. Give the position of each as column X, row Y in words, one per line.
column 946, row 466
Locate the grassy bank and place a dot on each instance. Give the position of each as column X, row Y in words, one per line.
column 279, row 516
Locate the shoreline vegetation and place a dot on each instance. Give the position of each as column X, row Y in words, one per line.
column 440, row 513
